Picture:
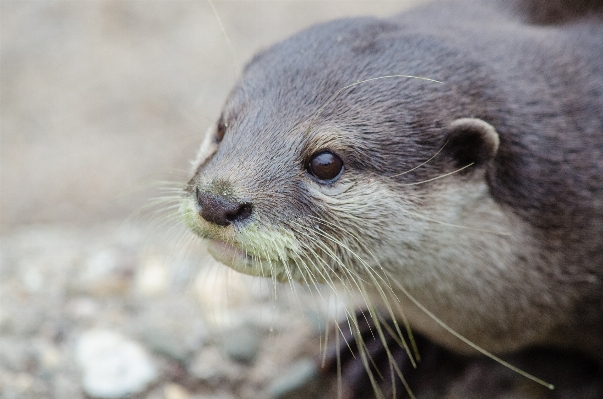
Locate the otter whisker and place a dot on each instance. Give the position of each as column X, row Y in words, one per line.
column 310, row 282
column 351, row 276
column 235, row 63
column 327, row 278
column 345, row 247
column 339, row 375
column 308, row 236
column 272, row 269
column 152, row 208
column 362, row 290
column 283, row 260
column 308, row 279
column 386, row 302
column 154, row 184
column 437, row 177
column 422, row 164
column 367, row 362
column 469, row 342
column 186, row 242
column 348, row 313
column 324, row 247
column 334, row 256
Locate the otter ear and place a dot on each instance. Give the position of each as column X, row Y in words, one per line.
column 471, row 141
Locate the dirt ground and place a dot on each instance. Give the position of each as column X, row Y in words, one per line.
column 100, row 101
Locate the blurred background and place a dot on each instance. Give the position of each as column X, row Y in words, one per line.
column 99, row 100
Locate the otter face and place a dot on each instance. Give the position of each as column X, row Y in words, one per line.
column 306, row 178
column 316, row 201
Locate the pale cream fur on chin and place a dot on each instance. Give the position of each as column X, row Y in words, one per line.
column 231, row 256
column 243, row 262
column 207, row 148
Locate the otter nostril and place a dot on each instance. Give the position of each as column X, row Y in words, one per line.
column 221, row 211
column 241, row 214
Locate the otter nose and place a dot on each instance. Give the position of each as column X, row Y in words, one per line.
column 221, row 211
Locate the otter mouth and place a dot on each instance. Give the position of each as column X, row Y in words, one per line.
column 241, row 260
column 230, row 255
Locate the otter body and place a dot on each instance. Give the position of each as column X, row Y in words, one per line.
column 464, row 172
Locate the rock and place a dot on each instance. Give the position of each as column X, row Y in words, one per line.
column 24, row 318
column 155, row 393
column 83, row 307
column 153, row 277
column 241, row 344
column 65, row 387
column 24, row 382
column 211, row 367
column 16, row 386
column 105, row 272
column 113, row 366
column 49, row 358
column 33, row 280
column 299, row 381
column 216, row 396
column 15, row 354
column 175, row 391
column 172, row 326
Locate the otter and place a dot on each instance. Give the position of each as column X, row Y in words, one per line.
column 445, row 163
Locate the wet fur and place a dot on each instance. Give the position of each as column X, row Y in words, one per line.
column 509, row 251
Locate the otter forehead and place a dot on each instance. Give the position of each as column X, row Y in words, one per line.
column 290, row 78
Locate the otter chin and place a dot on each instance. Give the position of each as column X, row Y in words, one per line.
column 243, row 262
column 230, row 255
column 441, row 168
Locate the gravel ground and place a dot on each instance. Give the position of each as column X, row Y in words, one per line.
column 109, row 311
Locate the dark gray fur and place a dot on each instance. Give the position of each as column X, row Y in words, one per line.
column 552, row 11
column 539, row 85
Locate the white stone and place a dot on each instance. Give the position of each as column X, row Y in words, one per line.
column 33, row 280
column 175, row 391
column 103, row 273
column 154, row 277
column 113, row 366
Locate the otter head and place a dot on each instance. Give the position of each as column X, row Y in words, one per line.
column 318, row 172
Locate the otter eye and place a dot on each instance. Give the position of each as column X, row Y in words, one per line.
column 325, row 166
column 220, row 130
